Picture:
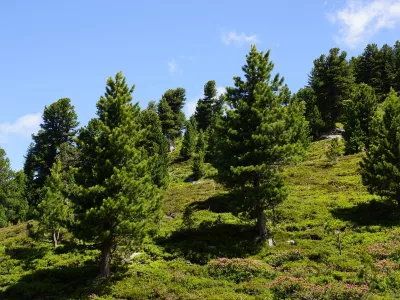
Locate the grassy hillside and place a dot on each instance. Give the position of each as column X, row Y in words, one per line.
column 203, row 251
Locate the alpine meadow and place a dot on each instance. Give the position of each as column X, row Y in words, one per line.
column 259, row 192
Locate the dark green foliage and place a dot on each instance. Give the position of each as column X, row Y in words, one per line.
column 54, row 211
column 13, row 203
column 358, row 114
column 312, row 113
column 396, row 62
column 170, row 112
column 58, row 127
column 256, row 137
column 331, row 80
column 380, row 169
column 378, row 68
column 198, row 167
column 155, row 144
column 189, row 139
column 116, row 200
column 208, row 107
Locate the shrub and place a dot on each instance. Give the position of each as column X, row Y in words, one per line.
column 238, row 269
column 285, row 287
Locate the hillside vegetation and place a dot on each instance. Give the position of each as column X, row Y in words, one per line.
column 333, row 241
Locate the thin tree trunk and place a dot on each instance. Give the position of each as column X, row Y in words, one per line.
column 105, row 260
column 262, row 228
column 56, row 236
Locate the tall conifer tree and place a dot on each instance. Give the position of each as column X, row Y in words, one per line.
column 207, row 107
column 256, row 137
column 171, row 114
column 58, row 127
column 380, row 169
column 331, row 80
column 359, row 112
column 116, row 198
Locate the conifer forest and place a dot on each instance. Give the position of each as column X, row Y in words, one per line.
column 262, row 193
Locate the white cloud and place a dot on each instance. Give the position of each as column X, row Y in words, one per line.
column 359, row 20
column 190, row 105
column 172, row 67
column 22, row 127
column 233, row 37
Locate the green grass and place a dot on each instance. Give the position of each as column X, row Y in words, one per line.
column 203, row 251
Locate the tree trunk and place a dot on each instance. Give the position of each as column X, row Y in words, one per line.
column 105, row 260
column 56, row 237
column 262, row 229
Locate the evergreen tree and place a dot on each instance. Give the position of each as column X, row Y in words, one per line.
column 358, row 114
column 155, row 144
column 376, row 67
column 256, row 137
column 54, row 210
column 170, row 112
column 312, row 113
column 189, row 139
column 116, row 200
column 386, row 71
column 366, row 68
column 207, row 107
column 13, row 203
column 58, row 127
column 396, row 66
column 331, row 80
column 198, row 158
column 380, row 169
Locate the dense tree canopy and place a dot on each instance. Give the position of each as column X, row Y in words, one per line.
column 380, row 169
column 208, row 107
column 116, row 198
column 257, row 136
column 58, row 127
column 359, row 112
column 13, row 203
column 170, row 112
column 331, row 80
column 155, row 144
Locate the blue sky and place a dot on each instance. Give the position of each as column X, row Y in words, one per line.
column 55, row 49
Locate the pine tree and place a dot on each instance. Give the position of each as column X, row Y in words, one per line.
column 198, row 158
column 358, row 114
column 54, row 210
column 312, row 113
column 155, row 144
column 331, row 80
column 189, row 139
column 396, row 66
column 58, row 127
column 256, row 137
column 13, row 203
column 376, row 67
column 380, row 169
column 366, row 67
column 170, row 113
column 116, row 200
column 207, row 107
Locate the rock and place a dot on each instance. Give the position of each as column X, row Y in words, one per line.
column 133, row 255
column 271, row 242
